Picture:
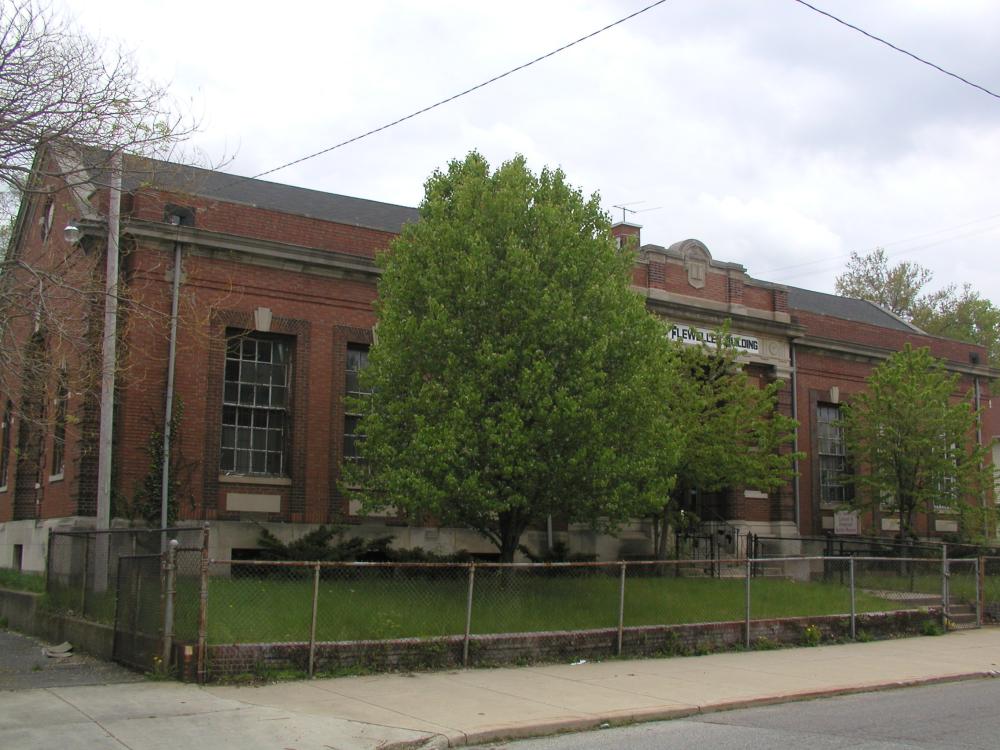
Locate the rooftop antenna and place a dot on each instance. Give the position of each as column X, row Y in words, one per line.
column 624, row 208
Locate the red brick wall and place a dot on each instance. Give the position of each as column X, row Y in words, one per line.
column 817, row 373
column 323, row 314
column 259, row 223
column 758, row 297
column 216, row 296
column 67, row 275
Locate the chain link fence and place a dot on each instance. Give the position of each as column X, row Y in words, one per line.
column 81, row 573
column 303, row 604
column 183, row 605
column 989, row 576
column 138, row 617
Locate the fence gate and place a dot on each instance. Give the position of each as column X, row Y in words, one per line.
column 139, row 611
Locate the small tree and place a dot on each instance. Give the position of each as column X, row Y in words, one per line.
column 515, row 373
column 897, row 288
column 964, row 315
column 732, row 434
column 914, row 447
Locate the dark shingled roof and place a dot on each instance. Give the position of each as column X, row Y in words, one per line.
column 208, row 183
column 846, row 308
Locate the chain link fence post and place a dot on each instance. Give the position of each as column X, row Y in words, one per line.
column 86, row 574
column 312, row 627
column 468, row 615
column 746, row 624
column 945, row 594
column 854, row 604
column 48, row 561
column 621, row 608
column 170, row 568
column 979, row 592
column 202, row 668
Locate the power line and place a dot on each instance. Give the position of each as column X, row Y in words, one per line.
column 913, row 238
column 452, row 98
column 880, row 40
column 784, row 277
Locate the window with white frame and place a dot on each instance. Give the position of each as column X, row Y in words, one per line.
column 357, row 360
column 947, row 483
column 834, row 487
column 256, row 413
column 996, row 470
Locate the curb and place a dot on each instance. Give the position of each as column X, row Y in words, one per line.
column 543, row 728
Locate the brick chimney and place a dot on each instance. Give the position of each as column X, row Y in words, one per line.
column 624, row 231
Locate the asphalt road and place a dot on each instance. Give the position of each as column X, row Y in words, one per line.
column 956, row 716
column 23, row 666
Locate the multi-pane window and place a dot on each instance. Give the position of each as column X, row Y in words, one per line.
column 5, row 443
column 947, row 483
column 834, row 488
column 357, row 359
column 256, row 412
column 59, row 433
column 996, row 471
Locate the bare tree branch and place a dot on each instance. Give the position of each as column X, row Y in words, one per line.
column 59, row 88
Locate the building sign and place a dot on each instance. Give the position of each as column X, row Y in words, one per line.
column 845, row 523
column 692, row 335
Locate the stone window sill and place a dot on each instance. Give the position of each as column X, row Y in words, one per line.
column 241, row 479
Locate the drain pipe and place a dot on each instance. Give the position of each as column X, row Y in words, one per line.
column 795, row 416
column 979, row 423
column 171, row 361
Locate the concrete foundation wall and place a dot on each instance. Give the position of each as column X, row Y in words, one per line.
column 24, row 613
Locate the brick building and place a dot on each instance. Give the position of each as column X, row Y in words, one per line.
column 274, row 321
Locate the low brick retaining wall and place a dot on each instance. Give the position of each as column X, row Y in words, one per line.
column 520, row 648
column 24, row 612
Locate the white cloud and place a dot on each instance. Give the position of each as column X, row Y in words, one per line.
column 771, row 133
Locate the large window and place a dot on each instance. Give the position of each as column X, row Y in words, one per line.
column 59, row 433
column 947, row 483
column 357, row 359
column 834, row 488
column 5, row 442
column 256, row 405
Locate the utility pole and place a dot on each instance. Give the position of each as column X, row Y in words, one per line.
column 108, row 367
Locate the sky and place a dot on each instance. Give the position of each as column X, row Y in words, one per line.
column 779, row 138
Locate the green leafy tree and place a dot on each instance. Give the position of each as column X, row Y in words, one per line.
column 913, row 445
column 515, row 374
column 732, row 433
column 897, row 288
column 965, row 316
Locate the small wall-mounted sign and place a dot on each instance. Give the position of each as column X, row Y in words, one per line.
column 845, row 523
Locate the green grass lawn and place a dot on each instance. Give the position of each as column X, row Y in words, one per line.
column 386, row 606
column 21, row 581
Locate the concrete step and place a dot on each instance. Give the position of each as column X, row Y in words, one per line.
column 961, row 615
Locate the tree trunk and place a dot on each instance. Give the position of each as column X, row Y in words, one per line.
column 510, row 525
column 661, row 552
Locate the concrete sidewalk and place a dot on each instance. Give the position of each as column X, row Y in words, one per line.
column 473, row 706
